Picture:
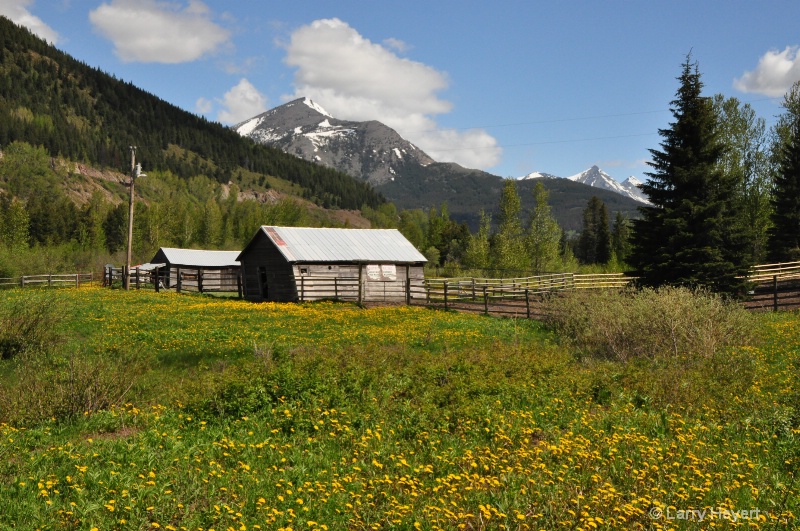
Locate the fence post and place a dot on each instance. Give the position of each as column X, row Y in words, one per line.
column 485, row 302
column 527, row 303
column 49, row 280
column 473, row 289
column 774, row 293
column 239, row 284
column 137, row 277
column 408, row 284
column 157, row 280
column 302, row 288
column 360, row 283
column 180, row 280
column 445, row 294
column 22, row 281
column 200, row 280
column 77, row 280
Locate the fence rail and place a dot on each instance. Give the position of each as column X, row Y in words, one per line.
column 176, row 278
column 50, row 280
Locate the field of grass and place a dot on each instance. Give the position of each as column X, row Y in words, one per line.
column 232, row 415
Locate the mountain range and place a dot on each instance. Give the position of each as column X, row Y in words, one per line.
column 407, row 176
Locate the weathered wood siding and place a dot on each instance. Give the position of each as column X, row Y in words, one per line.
column 314, row 282
column 263, row 266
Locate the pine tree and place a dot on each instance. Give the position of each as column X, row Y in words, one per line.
column 784, row 235
column 620, row 238
column 508, row 249
column 690, row 235
column 544, row 234
column 594, row 244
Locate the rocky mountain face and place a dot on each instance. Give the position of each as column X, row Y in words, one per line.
column 406, row 175
column 367, row 150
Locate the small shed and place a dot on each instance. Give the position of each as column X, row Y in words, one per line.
column 285, row 264
column 197, row 269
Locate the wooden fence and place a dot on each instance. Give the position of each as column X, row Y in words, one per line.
column 49, row 280
column 521, row 297
column 178, row 278
column 408, row 291
column 774, row 287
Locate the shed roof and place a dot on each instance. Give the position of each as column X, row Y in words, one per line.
column 197, row 257
column 305, row 244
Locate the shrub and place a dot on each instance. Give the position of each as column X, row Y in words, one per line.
column 649, row 324
column 56, row 385
column 30, row 324
column 660, row 348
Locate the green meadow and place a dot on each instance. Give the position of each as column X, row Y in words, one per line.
column 135, row 410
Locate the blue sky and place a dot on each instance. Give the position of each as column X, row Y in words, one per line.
column 507, row 86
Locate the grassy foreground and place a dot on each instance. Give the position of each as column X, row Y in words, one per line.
column 242, row 416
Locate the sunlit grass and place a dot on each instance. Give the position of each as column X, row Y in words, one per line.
column 393, row 418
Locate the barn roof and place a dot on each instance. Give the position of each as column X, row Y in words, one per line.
column 305, row 244
column 196, row 257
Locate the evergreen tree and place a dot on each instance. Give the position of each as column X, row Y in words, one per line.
column 784, row 235
column 746, row 160
column 476, row 255
column 594, row 244
column 508, row 249
column 690, row 236
column 621, row 238
column 544, row 234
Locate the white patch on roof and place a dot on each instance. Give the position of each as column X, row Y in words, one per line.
column 248, row 127
column 198, row 257
column 316, row 107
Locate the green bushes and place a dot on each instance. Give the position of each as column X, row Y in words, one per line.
column 649, row 324
column 666, row 347
column 29, row 324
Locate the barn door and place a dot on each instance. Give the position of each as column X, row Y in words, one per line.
column 263, row 284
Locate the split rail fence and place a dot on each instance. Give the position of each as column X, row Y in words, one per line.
column 49, row 280
column 520, row 297
column 774, row 287
column 179, row 279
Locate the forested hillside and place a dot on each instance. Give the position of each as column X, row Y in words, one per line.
column 50, row 99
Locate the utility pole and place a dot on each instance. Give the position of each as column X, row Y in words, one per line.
column 136, row 171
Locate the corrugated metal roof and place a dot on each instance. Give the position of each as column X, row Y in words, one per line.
column 199, row 257
column 304, row 244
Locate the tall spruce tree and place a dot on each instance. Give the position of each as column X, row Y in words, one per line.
column 784, row 235
column 690, row 235
column 594, row 243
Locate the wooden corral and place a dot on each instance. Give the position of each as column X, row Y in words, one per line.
column 197, row 270
column 284, row 264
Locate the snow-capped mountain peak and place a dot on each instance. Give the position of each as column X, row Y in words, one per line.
column 597, row 178
column 317, row 107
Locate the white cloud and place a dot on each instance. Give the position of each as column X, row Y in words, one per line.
column 774, row 75
column 355, row 79
column 240, row 103
column 150, row 31
column 17, row 11
column 203, row 106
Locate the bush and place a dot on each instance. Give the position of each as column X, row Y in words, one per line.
column 30, row 324
column 65, row 385
column 660, row 348
column 649, row 324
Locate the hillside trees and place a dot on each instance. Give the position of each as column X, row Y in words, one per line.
column 691, row 235
column 784, row 235
column 594, row 243
column 544, row 234
column 508, row 249
column 746, row 160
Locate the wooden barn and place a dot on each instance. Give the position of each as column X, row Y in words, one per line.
column 285, row 264
column 197, row 270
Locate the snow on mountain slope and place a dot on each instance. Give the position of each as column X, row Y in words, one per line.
column 365, row 150
column 596, row 177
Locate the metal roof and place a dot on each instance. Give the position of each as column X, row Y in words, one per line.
column 304, row 244
column 197, row 257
